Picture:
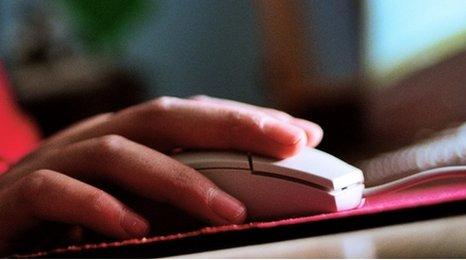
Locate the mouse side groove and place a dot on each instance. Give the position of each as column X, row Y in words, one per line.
column 310, row 182
column 251, row 165
column 291, row 179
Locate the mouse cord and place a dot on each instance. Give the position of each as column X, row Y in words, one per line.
column 445, row 149
column 416, row 179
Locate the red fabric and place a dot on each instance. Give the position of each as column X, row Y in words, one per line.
column 18, row 134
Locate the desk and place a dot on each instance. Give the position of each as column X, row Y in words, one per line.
column 444, row 238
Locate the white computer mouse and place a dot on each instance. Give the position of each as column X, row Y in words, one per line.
column 308, row 183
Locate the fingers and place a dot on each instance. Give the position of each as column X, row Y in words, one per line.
column 314, row 131
column 106, row 148
column 73, row 133
column 147, row 173
column 168, row 123
column 51, row 196
column 188, row 123
column 231, row 103
column 69, row 135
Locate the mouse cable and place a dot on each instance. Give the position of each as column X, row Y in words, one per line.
column 448, row 148
column 449, row 172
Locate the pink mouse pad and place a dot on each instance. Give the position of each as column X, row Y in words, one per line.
column 435, row 199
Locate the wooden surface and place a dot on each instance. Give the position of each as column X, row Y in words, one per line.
column 444, row 238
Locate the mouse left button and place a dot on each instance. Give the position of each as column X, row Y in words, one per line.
column 214, row 160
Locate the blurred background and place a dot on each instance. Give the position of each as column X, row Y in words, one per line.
column 375, row 74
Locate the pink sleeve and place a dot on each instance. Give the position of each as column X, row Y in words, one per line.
column 18, row 134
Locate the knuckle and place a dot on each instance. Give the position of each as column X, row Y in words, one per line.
column 181, row 178
column 34, row 184
column 240, row 121
column 187, row 182
column 157, row 109
column 110, row 144
column 199, row 97
column 105, row 116
column 97, row 200
column 233, row 126
column 163, row 103
column 211, row 193
column 235, row 118
column 279, row 114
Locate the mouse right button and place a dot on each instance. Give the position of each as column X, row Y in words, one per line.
column 313, row 166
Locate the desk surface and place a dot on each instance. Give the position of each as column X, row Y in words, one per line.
column 445, row 237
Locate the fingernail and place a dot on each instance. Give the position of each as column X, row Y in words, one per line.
column 134, row 225
column 317, row 136
column 282, row 133
column 227, row 207
column 313, row 130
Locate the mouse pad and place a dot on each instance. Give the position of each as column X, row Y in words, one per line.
column 435, row 200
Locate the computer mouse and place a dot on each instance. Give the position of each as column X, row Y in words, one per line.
column 310, row 182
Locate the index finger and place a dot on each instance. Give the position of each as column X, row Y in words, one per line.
column 313, row 131
column 168, row 123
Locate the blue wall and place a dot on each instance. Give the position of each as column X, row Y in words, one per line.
column 193, row 47
column 212, row 47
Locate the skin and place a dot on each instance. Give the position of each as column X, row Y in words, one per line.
column 128, row 148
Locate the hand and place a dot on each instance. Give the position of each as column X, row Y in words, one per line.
column 128, row 149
